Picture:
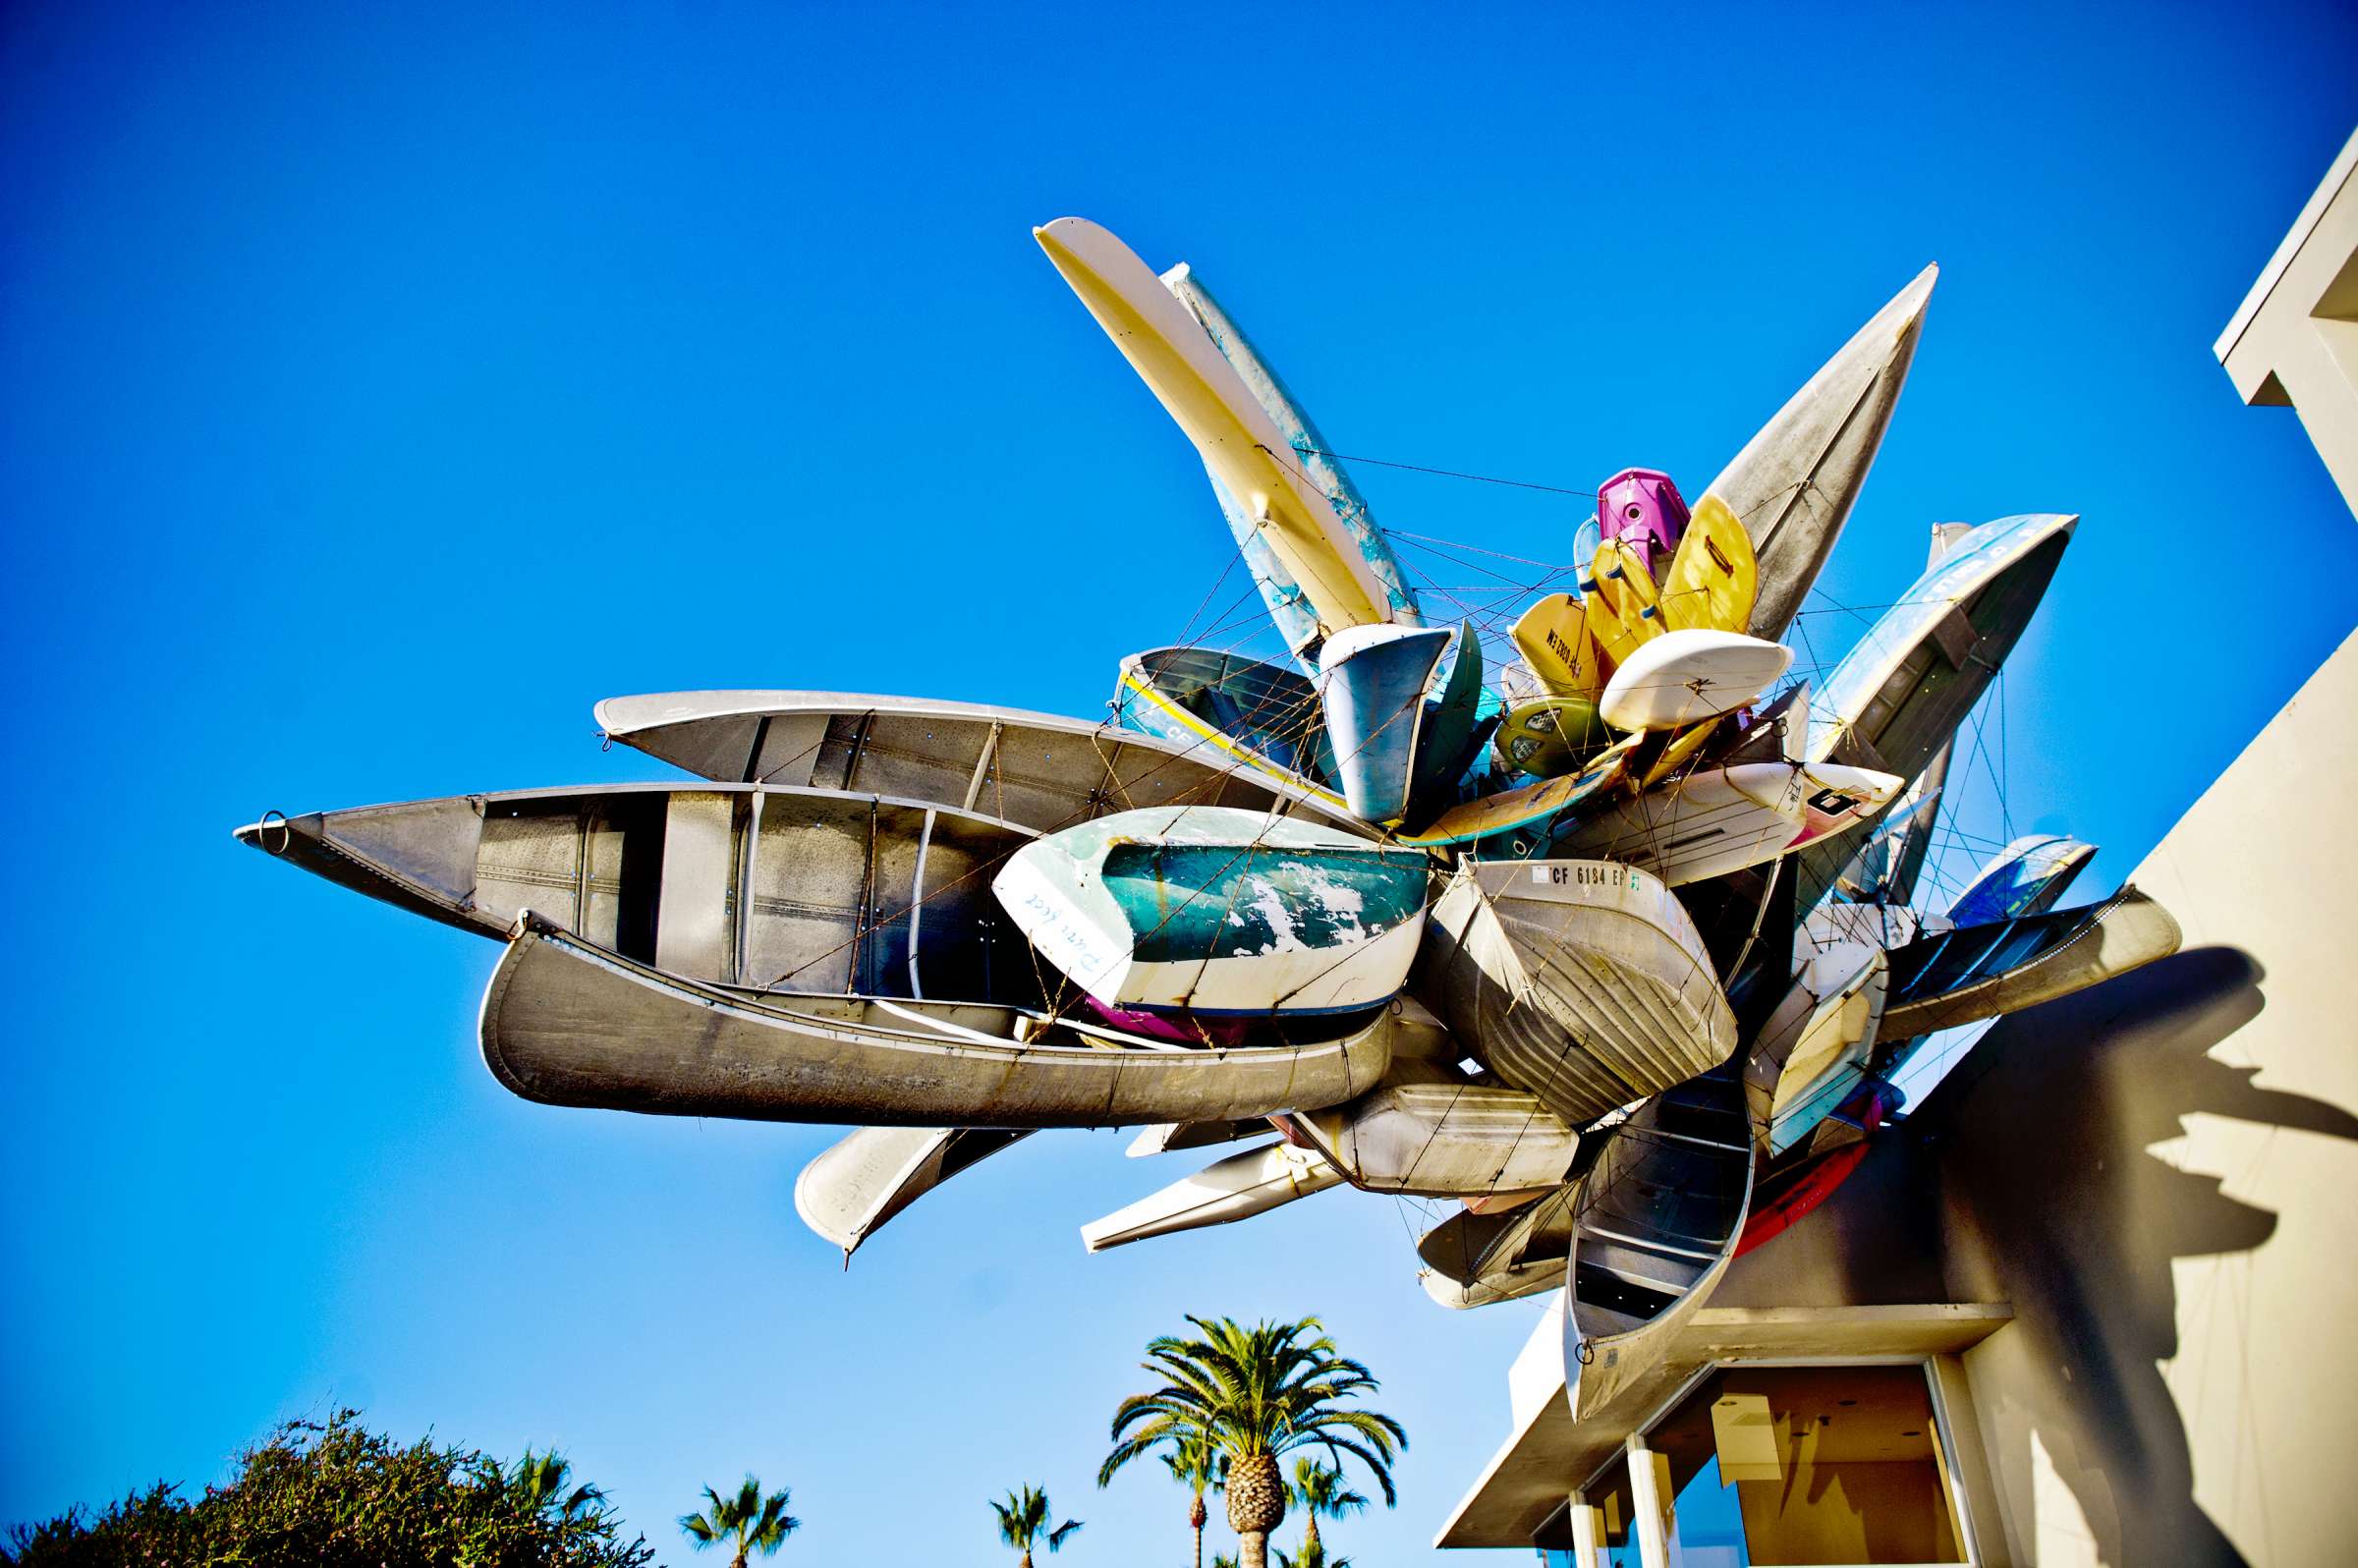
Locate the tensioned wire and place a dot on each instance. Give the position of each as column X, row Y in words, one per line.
column 1487, row 619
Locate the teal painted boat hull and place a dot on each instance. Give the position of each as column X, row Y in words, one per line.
column 1219, row 915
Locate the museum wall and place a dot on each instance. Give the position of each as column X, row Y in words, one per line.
column 2159, row 1176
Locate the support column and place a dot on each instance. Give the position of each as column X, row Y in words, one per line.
column 1588, row 1534
column 1649, row 1503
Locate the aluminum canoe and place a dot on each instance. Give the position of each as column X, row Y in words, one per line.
column 1241, row 713
column 1794, row 483
column 1228, row 1189
column 1283, row 594
column 858, row 1184
column 1900, row 693
column 796, row 889
column 1433, row 1134
column 1229, row 428
column 1654, row 1226
column 1371, row 683
column 1895, row 699
column 567, row 1023
column 1976, row 972
column 1039, row 770
column 2029, row 877
column 1479, row 1259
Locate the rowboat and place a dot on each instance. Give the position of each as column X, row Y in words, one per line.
column 1215, row 918
column 1585, row 981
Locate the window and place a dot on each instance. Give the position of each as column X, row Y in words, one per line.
column 1796, row 1466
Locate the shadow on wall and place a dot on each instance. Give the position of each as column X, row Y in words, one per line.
column 2051, row 1203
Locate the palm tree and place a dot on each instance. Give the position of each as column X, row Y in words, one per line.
column 1311, row 1558
column 759, row 1523
column 1322, row 1494
column 1024, row 1523
column 1196, row 1463
column 1255, row 1394
column 541, row 1478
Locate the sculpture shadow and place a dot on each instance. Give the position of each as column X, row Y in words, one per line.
column 2024, row 1178
column 2036, row 1147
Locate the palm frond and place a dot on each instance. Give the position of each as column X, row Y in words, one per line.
column 1242, row 1392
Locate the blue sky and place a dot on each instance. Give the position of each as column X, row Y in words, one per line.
column 379, row 387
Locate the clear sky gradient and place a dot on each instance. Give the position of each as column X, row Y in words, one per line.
column 379, row 386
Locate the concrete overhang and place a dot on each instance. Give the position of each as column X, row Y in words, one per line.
column 2298, row 282
column 1550, row 1453
column 2294, row 340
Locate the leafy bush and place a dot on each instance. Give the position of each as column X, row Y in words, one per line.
column 337, row 1494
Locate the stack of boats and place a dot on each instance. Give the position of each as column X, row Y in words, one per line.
column 1607, row 934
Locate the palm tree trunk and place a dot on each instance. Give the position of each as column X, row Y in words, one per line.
column 1027, row 1557
column 1310, row 1541
column 1196, row 1516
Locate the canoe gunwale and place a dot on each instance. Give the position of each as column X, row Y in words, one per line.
column 618, row 721
column 673, row 1046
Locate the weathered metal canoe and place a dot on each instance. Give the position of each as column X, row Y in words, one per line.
column 1037, row 770
column 1455, row 729
column 1794, row 483
column 1584, row 983
column 1897, row 696
column 795, row 889
column 1372, row 682
column 1239, row 1187
column 1654, row 1226
column 1212, row 915
column 1229, row 428
column 1247, row 713
column 1479, row 1259
column 1432, row 1134
column 1288, row 605
column 1976, row 972
column 2026, row 877
column 858, row 1184
column 567, row 1023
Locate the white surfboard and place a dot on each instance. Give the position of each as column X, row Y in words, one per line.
column 1234, row 434
column 1725, row 819
column 1681, row 678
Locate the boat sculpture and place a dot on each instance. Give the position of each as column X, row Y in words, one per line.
column 1610, row 933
